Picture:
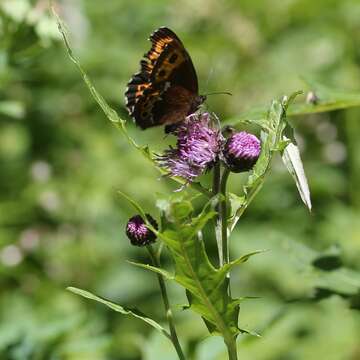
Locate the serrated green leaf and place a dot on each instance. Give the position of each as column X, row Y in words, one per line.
column 206, row 286
column 120, row 309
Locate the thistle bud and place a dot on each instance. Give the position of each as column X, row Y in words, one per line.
column 137, row 231
column 241, row 151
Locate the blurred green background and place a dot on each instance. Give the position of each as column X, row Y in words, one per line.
column 61, row 162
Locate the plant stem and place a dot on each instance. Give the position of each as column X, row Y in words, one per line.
column 219, row 186
column 174, row 338
column 215, row 191
column 216, row 179
column 223, row 216
column 232, row 351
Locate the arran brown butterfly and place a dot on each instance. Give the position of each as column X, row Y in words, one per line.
column 165, row 90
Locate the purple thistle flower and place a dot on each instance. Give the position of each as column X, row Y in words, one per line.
column 137, row 231
column 241, row 151
column 197, row 149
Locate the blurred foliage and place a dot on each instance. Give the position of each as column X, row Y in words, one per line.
column 61, row 221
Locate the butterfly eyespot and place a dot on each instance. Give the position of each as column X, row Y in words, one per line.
column 145, row 114
column 162, row 73
column 173, row 58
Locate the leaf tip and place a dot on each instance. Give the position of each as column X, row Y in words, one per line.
column 72, row 289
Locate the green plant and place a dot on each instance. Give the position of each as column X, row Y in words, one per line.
column 208, row 286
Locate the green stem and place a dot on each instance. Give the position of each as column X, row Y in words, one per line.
column 223, row 216
column 232, row 351
column 229, row 341
column 215, row 191
column 174, row 338
column 216, row 179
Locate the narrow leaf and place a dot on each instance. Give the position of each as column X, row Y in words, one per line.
column 155, row 269
column 134, row 204
column 120, row 309
column 250, row 332
column 241, row 260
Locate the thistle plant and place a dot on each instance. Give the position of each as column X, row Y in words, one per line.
column 205, row 146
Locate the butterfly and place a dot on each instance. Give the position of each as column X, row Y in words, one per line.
column 165, row 90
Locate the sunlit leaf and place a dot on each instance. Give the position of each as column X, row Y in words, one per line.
column 292, row 160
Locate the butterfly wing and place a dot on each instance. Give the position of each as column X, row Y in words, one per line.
column 165, row 89
column 174, row 64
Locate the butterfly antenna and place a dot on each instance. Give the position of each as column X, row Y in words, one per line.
column 211, row 72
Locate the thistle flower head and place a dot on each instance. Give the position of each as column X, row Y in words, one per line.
column 137, row 231
column 197, row 149
column 241, row 151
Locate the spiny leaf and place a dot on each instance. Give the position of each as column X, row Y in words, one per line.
column 206, row 286
column 120, row 309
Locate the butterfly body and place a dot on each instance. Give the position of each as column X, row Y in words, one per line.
column 165, row 90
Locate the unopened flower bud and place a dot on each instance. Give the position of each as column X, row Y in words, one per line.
column 241, row 151
column 137, row 231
